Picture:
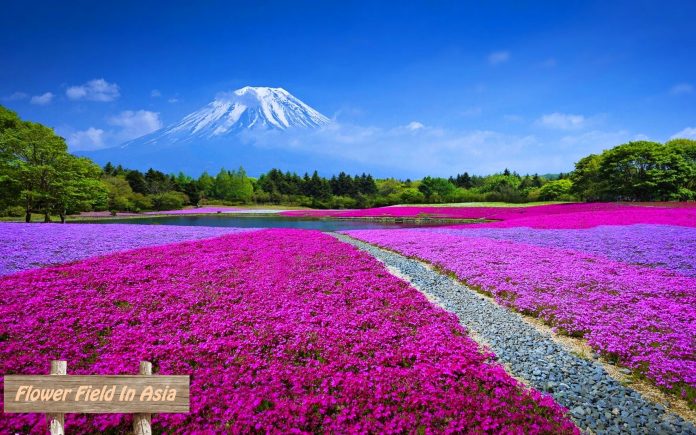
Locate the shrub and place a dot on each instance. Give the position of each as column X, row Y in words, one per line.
column 140, row 202
column 343, row 202
column 412, row 195
column 169, row 200
column 555, row 190
column 14, row 211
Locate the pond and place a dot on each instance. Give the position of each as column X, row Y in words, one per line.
column 218, row 220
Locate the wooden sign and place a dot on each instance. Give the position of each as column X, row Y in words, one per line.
column 60, row 394
column 96, row 394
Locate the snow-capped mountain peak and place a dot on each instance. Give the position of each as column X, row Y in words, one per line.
column 232, row 112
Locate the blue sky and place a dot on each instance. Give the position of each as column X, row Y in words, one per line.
column 527, row 85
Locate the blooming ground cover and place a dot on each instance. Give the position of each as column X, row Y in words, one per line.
column 642, row 317
column 586, row 215
column 660, row 246
column 29, row 246
column 279, row 330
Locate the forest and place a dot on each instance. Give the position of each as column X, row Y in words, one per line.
column 39, row 175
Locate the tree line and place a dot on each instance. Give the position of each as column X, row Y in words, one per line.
column 39, row 175
column 638, row 171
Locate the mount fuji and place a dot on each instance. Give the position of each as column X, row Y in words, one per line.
column 231, row 113
column 221, row 134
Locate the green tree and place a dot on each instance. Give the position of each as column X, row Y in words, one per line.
column 109, row 168
column 137, row 182
column 9, row 185
column 463, row 180
column 242, row 187
column 587, row 182
column 389, row 186
column 644, row 171
column 157, row 182
column 435, row 189
column 557, row 190
column 170, row 200
column 687, row 149
column 119, row 193
column 206, row 185
column 412, row 195
column 38, row 169
column 343, row 185
column 365, row 184
column 77, row 187
column 233, row 186
column 318, row 188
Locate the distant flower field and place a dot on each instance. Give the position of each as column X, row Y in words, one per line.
column 281, row 330
column 544, row 216
column 30, row 246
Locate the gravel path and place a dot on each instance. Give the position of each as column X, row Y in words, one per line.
column 597, row 402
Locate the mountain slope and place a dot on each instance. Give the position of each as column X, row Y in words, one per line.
column 231, row 113
column 221, row 134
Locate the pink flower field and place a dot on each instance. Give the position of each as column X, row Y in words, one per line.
column 281, row 331
column 586, row 215
column 642, row 317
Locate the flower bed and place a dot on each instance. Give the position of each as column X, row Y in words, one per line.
column 29, row 246
column 643, row 318
column 658, row 246
column 280, row 330
column 458, row 212
column 544, row 216
column 627, row 215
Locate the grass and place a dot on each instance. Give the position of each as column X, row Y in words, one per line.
column 35, row 217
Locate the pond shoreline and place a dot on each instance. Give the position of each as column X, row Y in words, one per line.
column 384, row 219
column 265, row 220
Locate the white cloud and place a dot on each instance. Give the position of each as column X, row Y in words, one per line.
column 42, row 99
column 414, row 125
column 135, row 123
column 442, row 152
column 682, row 89
column 562, row 121
column 155, row 93
column 348, row 112
column 85, row 140
column 687, row 133
column 498, row 57
column 127, row 125
column 16, row 96
column 597, row 140
column 173, row 100
column 410, row 152
column 94, row 90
